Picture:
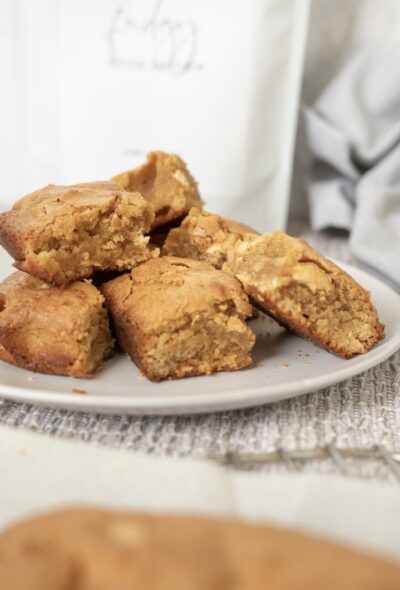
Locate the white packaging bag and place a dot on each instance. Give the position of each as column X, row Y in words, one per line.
column 96, row 84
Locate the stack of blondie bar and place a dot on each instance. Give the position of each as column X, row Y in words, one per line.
column 136, row 258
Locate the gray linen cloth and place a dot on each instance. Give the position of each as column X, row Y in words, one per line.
column 354, row 136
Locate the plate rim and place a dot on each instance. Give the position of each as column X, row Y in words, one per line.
column 212, row 401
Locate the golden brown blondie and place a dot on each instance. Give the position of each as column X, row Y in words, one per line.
column 52, row 330
column 205, row 236
column 177, row 317
column 306, row 292
column 94, row 549
column 166, row 183
column 63, row 233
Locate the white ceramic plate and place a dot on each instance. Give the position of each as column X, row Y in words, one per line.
column 286, row 366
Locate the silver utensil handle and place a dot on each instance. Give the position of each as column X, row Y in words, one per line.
column 292, row 458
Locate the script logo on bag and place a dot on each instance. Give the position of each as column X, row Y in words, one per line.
column 154, row 41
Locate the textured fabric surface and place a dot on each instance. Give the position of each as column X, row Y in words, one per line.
column 353, row 132
column 360, row 412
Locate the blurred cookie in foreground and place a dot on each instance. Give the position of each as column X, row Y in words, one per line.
column 90, row 549
column 205, row 236
column 177, row 318
column 64, row 233
column 51, row 330
column 166, row 183
column 306, row 292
